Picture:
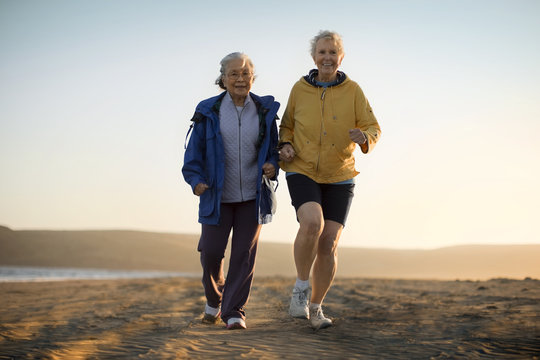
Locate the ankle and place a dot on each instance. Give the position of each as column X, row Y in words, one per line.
column 211, row 310
column 302, row 284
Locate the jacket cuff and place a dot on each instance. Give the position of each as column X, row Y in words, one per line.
column 281, row 144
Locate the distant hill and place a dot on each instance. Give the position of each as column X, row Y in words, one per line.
column 138, row 250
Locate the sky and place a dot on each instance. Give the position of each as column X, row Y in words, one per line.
column 96, row 99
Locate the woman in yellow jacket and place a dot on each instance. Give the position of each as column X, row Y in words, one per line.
column 326, row 116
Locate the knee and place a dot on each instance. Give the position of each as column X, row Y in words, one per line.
column 211, row 256
column 327, row 247
column 312, row 227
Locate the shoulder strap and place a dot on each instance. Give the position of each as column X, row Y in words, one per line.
column 197, row 117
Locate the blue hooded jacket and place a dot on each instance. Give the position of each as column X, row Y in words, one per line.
column 204, row 159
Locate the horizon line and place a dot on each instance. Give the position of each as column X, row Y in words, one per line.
column 265, row 241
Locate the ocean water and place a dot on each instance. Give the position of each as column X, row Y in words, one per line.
column 28, row 274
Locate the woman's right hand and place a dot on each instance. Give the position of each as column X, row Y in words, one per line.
column 200, row 189
column 287, row 153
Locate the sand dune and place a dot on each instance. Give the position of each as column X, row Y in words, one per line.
column 136, row 250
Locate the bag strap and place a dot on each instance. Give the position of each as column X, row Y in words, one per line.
column 269, row 181
column 189, row 131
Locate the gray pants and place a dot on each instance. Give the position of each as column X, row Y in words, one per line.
column 232, row 293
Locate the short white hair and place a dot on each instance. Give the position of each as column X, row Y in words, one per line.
column 327, row 34
column 225, row 62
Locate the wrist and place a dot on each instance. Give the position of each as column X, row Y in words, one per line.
column 282, row 144
column 364, row 140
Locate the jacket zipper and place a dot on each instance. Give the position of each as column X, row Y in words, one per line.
column 321, row 130
column 239, row 114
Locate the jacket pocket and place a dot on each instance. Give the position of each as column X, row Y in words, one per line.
column 336, row 161
column 207, row 202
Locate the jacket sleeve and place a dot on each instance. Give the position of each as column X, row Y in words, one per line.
column 366, row 121
column 273, row 152
column 286, row 127
column 194, row 157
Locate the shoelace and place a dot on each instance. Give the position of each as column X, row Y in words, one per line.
column 302, row 296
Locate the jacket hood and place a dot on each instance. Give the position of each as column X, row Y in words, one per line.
column 310, row 78
column 213, row 104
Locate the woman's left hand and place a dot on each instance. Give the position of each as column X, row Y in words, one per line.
column 269, row 170
column 357, row 136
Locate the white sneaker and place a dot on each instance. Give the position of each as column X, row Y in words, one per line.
column 299, row 303
column 236, row 323
column 211, row 315
column 318, row 321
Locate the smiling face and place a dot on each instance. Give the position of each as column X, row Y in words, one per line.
column 328, row 59
column 238, row 79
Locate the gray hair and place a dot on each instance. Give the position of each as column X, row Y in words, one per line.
column 326, row 34
column 225, row 62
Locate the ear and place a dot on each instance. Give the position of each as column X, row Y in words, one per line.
column 340, row 59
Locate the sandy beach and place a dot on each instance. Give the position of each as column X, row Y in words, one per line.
column 464, row 302
column 374, row 319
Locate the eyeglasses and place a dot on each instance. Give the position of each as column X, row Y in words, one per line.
column 236, row 75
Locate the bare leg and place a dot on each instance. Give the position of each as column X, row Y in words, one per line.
column 311, row 222
column 325, row 265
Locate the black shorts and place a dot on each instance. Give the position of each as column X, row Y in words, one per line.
column 335, row 200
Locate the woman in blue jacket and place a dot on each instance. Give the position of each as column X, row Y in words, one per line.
column 233, row 144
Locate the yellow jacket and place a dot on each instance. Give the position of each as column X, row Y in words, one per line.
column 316, row 123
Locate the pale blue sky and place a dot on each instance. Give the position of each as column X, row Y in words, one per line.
column 96, row 97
